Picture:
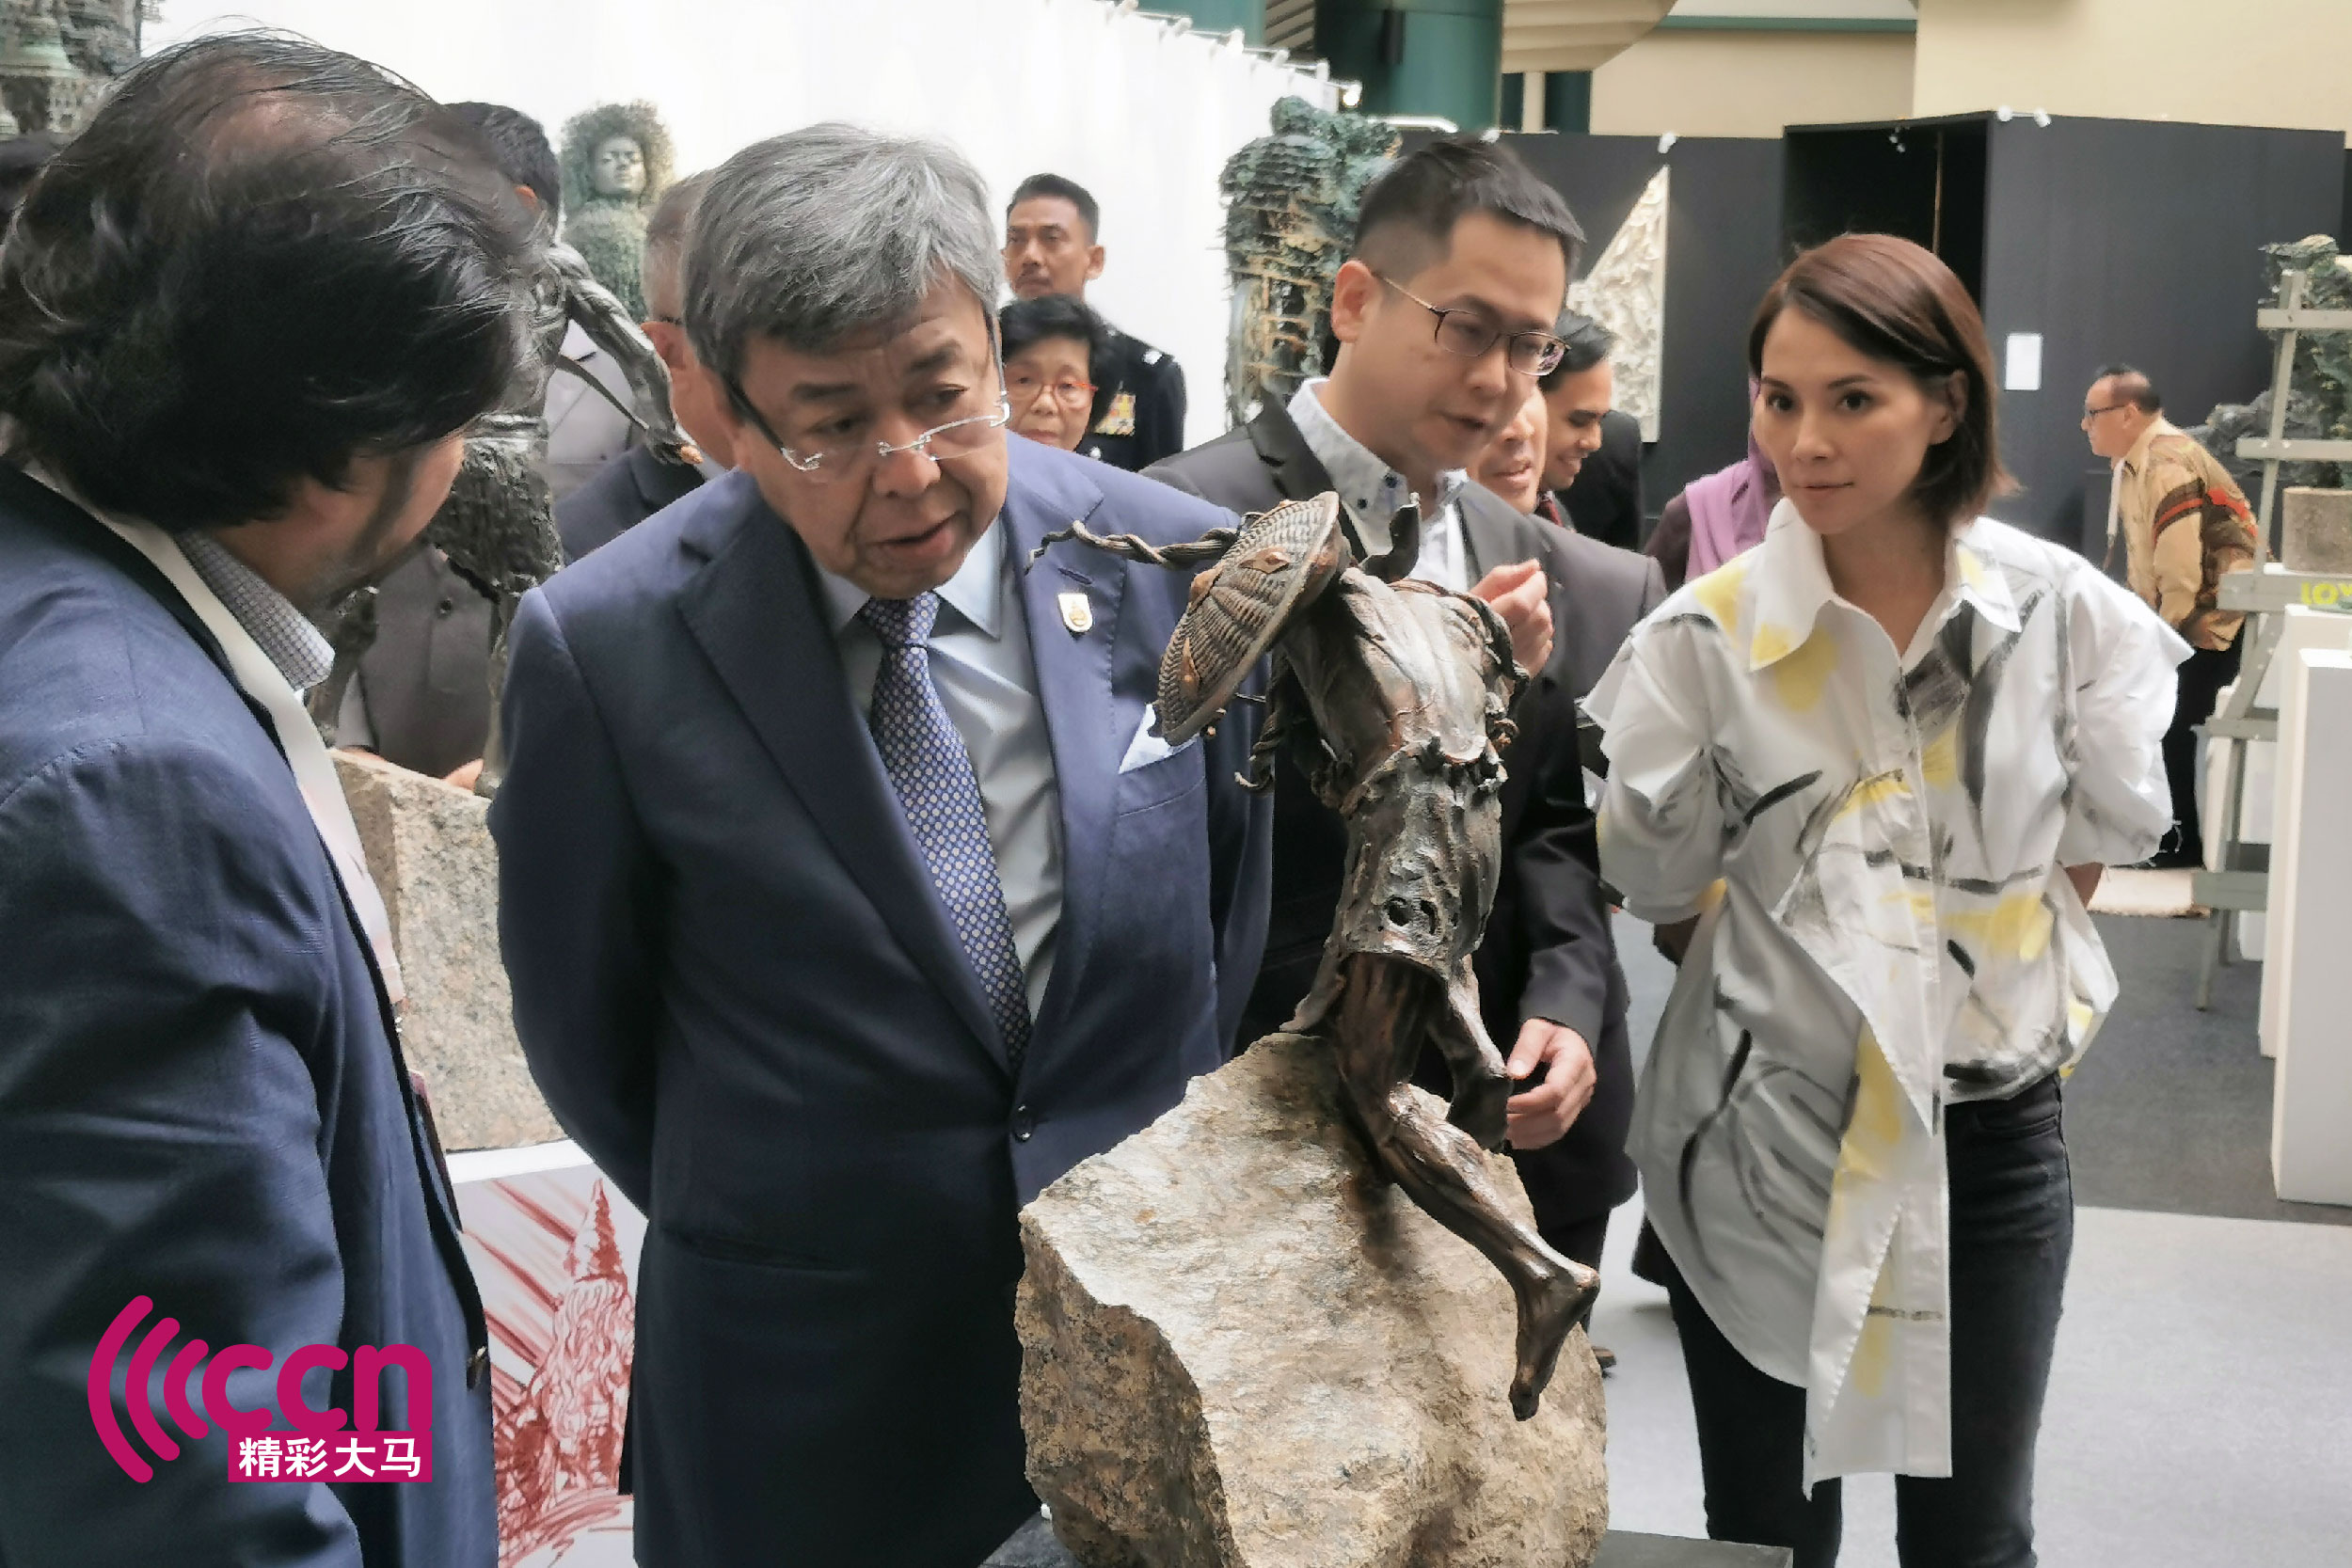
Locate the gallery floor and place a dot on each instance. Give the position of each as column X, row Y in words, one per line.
column 2200, row 1412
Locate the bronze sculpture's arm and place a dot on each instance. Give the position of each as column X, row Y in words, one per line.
column 1283, row 719
column 606, row 322
column 1209, row 547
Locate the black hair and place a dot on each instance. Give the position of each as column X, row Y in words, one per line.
column 1586, row 343
column 1407, row 218
column 262, row 259
column 1067, row 190
column 1032, row 321
column 2134, row 384
column 520, row 144
column 22, row 158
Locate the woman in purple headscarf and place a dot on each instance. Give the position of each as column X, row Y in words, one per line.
column 1716, row 517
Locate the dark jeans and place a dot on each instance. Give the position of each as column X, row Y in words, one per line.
column 2012, row 1229
column 2202, row 675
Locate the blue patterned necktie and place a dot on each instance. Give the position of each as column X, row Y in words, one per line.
column 932, row 774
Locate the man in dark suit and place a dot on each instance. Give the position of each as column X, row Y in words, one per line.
column 848, row 896
column 1444, row 316
column 625, row 492
column 1605, row 500
column 636, row 484
column 205, row 1124
column 1051, row 247
column 1592, row 448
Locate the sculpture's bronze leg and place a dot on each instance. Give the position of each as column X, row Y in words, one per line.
column 350, row 627
column 1386, row 1009
column 493, row 772
column 498, row 529
column 1480, row 1104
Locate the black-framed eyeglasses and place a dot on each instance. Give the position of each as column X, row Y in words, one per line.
column 2090, row 414
column 1471, row 335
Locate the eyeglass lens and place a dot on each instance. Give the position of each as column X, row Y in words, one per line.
column 835, row 462
column 1531, row 353
column 1025, row 388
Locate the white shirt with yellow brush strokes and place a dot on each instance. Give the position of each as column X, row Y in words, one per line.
column 1877, row 840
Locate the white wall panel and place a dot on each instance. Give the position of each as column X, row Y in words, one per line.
column 1142, row 114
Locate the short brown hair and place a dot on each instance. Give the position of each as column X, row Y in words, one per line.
column 1894, row 301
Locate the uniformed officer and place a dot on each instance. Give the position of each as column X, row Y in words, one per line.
column 1050, row 248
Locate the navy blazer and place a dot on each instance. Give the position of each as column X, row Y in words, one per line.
column 743, row 996
column 624, row 493
column 201, row 1097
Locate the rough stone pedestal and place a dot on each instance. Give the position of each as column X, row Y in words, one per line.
column 2315, row 530
column 1243, row 1349
column 432, row 858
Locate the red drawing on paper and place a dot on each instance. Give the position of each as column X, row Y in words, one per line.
column 558, row 1428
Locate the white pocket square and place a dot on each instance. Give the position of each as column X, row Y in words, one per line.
column 1147, row 748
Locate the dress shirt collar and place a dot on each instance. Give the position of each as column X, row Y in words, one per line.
column 1371, row 490
column 1788, row 584
column 301, row 653
column 2137, row 459
column 973, row 592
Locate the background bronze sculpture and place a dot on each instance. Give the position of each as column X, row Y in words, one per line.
column 1400, row 694
column 498, row 527
column 617, row 161
column 1290, row 211
column 59, row 58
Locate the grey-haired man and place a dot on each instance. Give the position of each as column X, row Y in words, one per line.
column 848, row 897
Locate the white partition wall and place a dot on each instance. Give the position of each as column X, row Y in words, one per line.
column 2260, row 800
column 2281, row 807
column 2311, row 1136
column 1142, row 113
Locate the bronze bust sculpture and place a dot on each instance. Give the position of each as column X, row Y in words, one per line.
column 616, row 160
column 1400, row 694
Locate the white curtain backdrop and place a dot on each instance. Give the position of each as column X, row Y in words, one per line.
column 1139, row 113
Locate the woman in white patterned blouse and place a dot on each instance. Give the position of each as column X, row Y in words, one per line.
column 1880, row 761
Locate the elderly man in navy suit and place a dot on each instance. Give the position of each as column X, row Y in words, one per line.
column 849, row 896
column 243, row 319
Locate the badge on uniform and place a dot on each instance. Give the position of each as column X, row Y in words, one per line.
column 1120, row 419
column 1077, row 614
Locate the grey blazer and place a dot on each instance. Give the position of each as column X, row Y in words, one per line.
column 426, row 677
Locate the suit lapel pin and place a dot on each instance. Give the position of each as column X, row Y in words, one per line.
column 1077, row 613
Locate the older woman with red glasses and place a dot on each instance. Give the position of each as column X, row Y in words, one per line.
column 1050, row 344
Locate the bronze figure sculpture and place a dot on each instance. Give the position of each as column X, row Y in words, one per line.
column 617, row 160
column 1400, row 693
column 498, row 527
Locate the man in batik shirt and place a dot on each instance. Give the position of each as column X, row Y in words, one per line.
column 2185, row 525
